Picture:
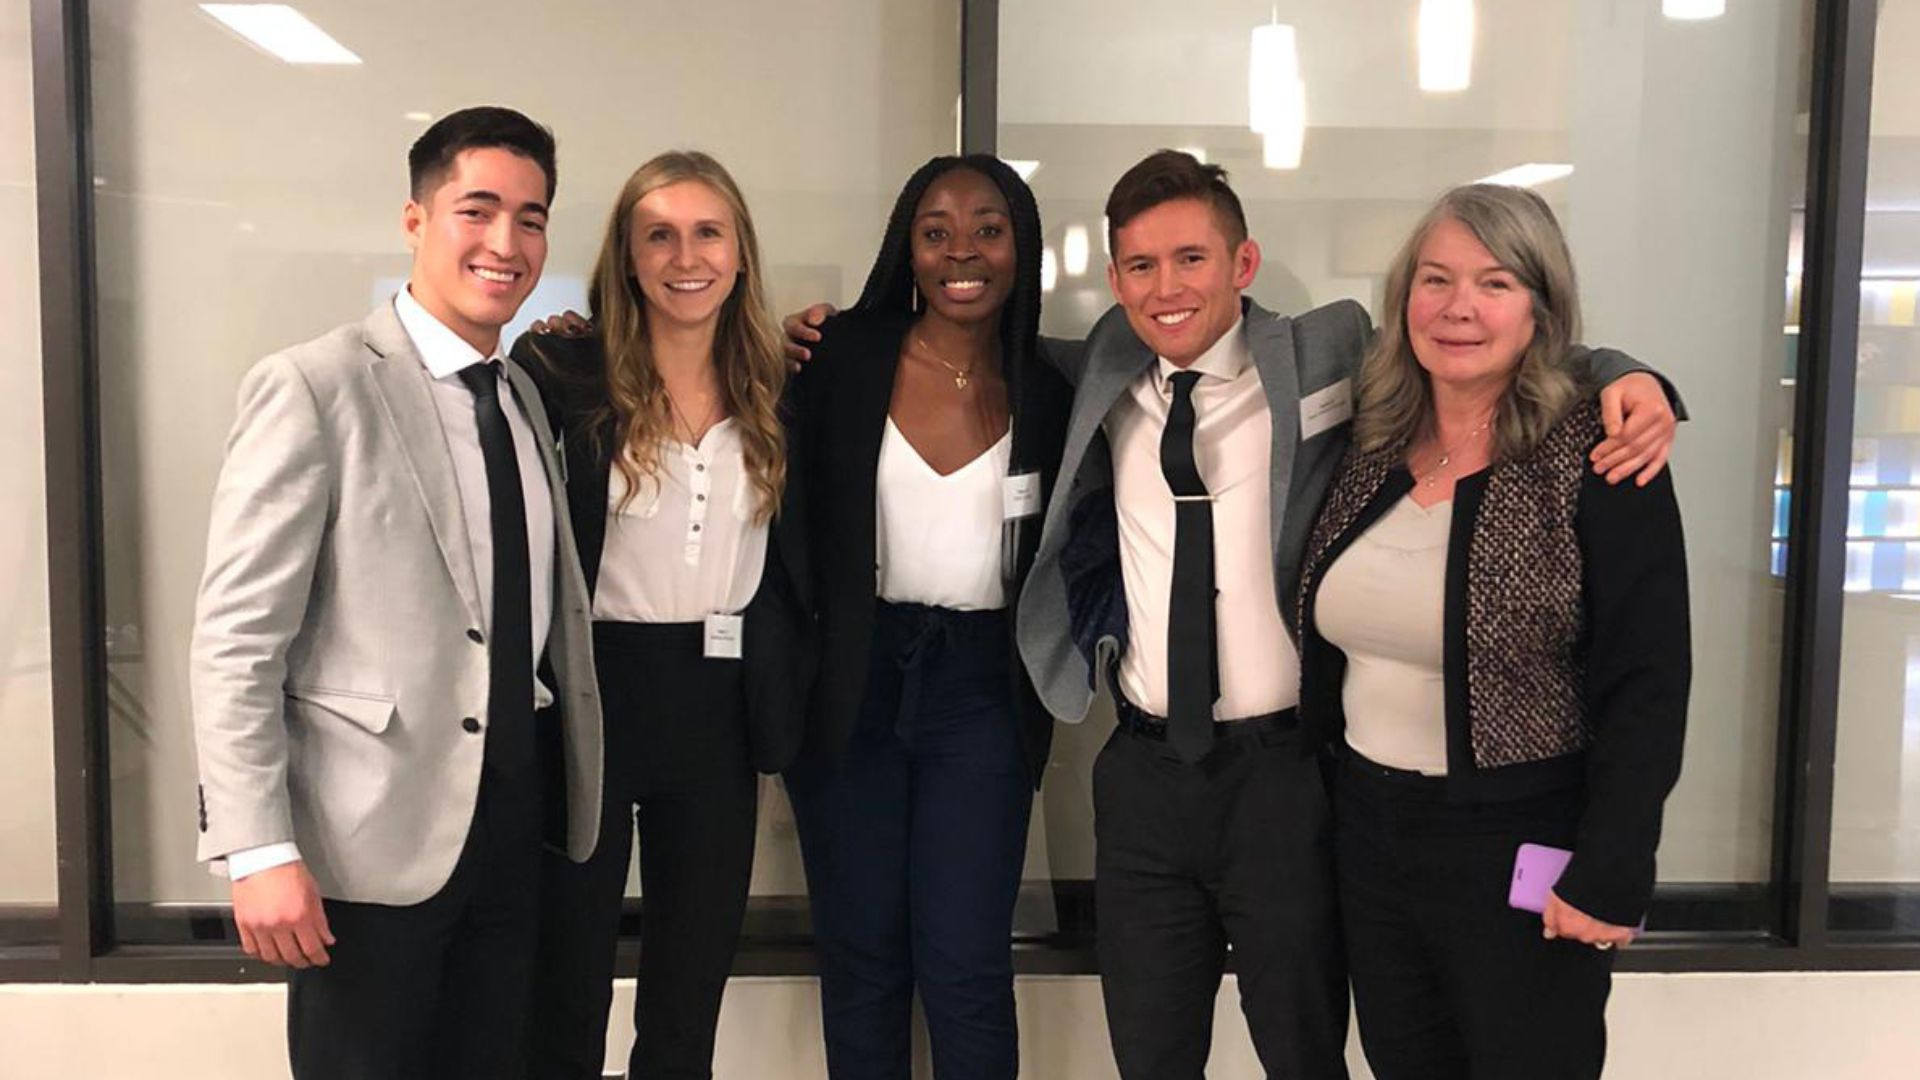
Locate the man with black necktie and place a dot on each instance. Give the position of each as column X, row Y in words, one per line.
column 392, row 675
column 1203, row 434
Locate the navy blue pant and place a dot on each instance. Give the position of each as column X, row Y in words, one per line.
column 913, row 841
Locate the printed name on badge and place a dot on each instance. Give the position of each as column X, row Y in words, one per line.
column 1020, row 496
column 723, row 637
column 1326, row 409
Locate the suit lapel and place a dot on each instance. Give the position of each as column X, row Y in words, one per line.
column 400, row 377
column 1270, row 339
column 1115, row 358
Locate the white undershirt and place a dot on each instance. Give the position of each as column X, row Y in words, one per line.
column 1383, row 603
column 686, row 545
column 938, row 537
column 1233, row 441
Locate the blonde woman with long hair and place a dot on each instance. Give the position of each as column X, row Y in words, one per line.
column 674, row 428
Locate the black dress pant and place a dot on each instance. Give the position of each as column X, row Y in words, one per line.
column 1235, row 851
column 439, row 989
column 1448, row 981
column 678, row 768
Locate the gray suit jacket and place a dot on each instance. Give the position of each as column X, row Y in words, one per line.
column 1294, row 357
column 331, row 661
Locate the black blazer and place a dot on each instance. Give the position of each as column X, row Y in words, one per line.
column 779, row 648
column 845, row 392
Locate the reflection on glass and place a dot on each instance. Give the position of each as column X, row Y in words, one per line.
column 1669, row 152
column 1876, row 813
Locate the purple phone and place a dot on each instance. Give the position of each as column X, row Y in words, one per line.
column 1535, row 868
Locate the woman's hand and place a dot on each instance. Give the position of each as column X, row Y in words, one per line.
column 802, row 330
column 1563, row 920
column 568, row 323
column 1640, row 426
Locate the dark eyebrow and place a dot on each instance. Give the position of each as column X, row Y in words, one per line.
column 493, row 199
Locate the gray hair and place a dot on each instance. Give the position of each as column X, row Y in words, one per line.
column 1519, row 230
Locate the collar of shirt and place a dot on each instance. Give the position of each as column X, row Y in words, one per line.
column 1225, row 360
column 443, row 351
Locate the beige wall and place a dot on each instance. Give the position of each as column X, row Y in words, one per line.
column 1701, row 1027
column 26, row 710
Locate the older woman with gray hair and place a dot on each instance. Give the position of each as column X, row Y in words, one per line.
column 1495, row 642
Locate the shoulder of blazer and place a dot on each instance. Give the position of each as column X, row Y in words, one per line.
column 1329, row 342
column 329, row 362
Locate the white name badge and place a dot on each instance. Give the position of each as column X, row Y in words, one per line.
column 1020, row 496
column 723, row 638
column 1326, row 409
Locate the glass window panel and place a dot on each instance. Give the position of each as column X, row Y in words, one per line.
column 1686, row 148
column 1876, row 806
column 28, row 891
column 246, row 204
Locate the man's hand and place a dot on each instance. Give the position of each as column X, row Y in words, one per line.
column 568, row 323
column 802, row 330
column 1640, row 427
column 280, row 917
column 1563, row 920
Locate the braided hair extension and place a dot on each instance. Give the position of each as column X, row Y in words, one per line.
column 890, row 286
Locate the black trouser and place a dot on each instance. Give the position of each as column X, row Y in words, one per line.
column 438, row 989
column 1191, row 859
column 1448, row 981
column 677, row 764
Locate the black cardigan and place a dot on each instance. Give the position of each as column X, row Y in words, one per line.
column 845, row 393
column 1635, row 654
column 777, row 638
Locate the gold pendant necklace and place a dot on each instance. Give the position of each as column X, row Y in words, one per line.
column 960, row 375
column 1446, row 453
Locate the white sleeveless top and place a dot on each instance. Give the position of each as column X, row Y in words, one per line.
column 1383, row 602
column 938, row 539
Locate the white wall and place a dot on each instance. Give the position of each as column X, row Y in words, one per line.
column 1701, row 1027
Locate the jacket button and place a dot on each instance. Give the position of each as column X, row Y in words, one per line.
column 476, row 636
column 471, row 725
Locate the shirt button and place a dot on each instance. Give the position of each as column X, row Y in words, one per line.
column 696, row 528
column 700, row 498
column 476, row 636
column 471, row 725
column 699, row 468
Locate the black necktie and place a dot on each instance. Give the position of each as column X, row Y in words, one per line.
column 1192, row 672
column 510, row 638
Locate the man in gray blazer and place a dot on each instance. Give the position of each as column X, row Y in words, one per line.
column 1203, row 435
column 392, row 673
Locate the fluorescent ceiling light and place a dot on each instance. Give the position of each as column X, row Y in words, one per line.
column 282, row 31
column 1049, row 270
column 1693, row 9
column 1198, row 153
column 1075, row 250
column 417, row 117
column 1277, row 96
column 1532, row 174
column 1446, row 45
column 1026, row 169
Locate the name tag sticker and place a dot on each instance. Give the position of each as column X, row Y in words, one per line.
column 723, row 638
column 1326, row 409
column 1020, row 496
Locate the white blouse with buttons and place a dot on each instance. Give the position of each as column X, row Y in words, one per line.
column 686, row 545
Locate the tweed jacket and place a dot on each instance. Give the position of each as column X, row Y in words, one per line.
column 1566, row 644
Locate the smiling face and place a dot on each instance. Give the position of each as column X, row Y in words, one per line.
column 1469, row 318
column 683, row 248
column 1178, row 279
column 479, row 242
column 963, row 258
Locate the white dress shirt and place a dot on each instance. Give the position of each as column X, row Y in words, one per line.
column 1383, row 602
column 670, row 555
column 938, row 539
column 445, row 354
column 1233, row 441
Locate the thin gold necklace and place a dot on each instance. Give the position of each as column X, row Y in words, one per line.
column 960, row 375
column 1446, row 453
column 693, row 433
